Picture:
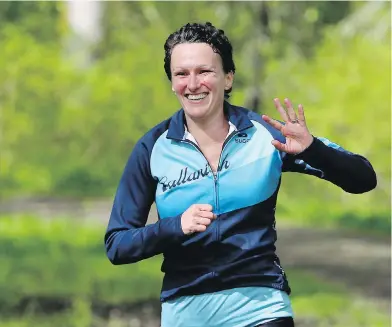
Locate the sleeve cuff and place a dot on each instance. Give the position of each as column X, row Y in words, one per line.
column 171, row 228
column 314, row 149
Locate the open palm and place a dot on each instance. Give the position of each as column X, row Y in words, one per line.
column 294, row 128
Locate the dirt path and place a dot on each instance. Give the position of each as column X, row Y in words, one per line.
column 361, row 263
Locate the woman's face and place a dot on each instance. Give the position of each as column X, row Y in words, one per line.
column 198, row 79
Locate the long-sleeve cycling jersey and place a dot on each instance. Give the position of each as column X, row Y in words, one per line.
column 238, row 247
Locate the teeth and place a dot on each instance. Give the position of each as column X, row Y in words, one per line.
column 196, row 96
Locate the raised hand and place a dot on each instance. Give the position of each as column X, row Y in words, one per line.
column 294, row 128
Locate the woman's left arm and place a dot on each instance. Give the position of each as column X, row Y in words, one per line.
column 324, row 159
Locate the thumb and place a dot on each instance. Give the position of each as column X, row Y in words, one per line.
column 278, row 145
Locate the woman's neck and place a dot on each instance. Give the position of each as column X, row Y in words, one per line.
column 211, row 130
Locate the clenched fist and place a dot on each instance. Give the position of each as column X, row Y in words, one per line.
column 196, row 218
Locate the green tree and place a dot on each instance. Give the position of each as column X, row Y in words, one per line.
column 345, row 89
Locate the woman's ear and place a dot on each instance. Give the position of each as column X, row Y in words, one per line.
column 229, row 78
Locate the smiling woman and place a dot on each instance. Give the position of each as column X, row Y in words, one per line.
column 214, row 170
column 199, row 80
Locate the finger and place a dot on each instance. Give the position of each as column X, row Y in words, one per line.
column 278, row 145
column 290, row 110
column 199, row 228
column 281, row 110
column 274, row 123
column 202, row 221
column 204, row 207
column 301, row 115
column 206, row 214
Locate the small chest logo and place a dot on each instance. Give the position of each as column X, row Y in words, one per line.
column 242, row 138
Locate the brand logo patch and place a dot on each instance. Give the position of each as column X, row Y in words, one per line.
column 242, row 138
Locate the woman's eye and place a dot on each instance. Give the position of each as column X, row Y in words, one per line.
column 204, row 71
column 179, row 74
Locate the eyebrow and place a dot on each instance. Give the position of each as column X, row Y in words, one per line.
column 195, row 67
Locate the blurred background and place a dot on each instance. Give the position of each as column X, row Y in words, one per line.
column 80, row 82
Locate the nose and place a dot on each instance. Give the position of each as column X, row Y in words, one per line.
column 193, row 82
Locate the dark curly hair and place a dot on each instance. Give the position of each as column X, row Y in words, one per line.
column 201, row 33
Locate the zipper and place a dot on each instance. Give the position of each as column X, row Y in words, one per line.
column 224, row 145
column 215, row 176
column 216, row 202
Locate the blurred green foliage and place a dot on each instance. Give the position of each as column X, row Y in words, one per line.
column 61, row 263
column 41, row 19
column 69, row 256
column 347, row 101
column 67, row 131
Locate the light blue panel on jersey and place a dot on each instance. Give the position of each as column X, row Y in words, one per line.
column 249, row 184
column 177, row 200
column 184, row 177
column 250, row 171
column 254, row 170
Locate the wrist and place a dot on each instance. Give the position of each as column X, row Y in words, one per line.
column 308, row 143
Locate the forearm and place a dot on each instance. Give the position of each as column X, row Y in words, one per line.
column 352, row 172
column 125, row 246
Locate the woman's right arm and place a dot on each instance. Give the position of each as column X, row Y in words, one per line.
column 127, row 238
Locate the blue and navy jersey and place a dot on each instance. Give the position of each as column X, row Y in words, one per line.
column 238, row 247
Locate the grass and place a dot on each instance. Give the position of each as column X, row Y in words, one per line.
column 65, row 259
